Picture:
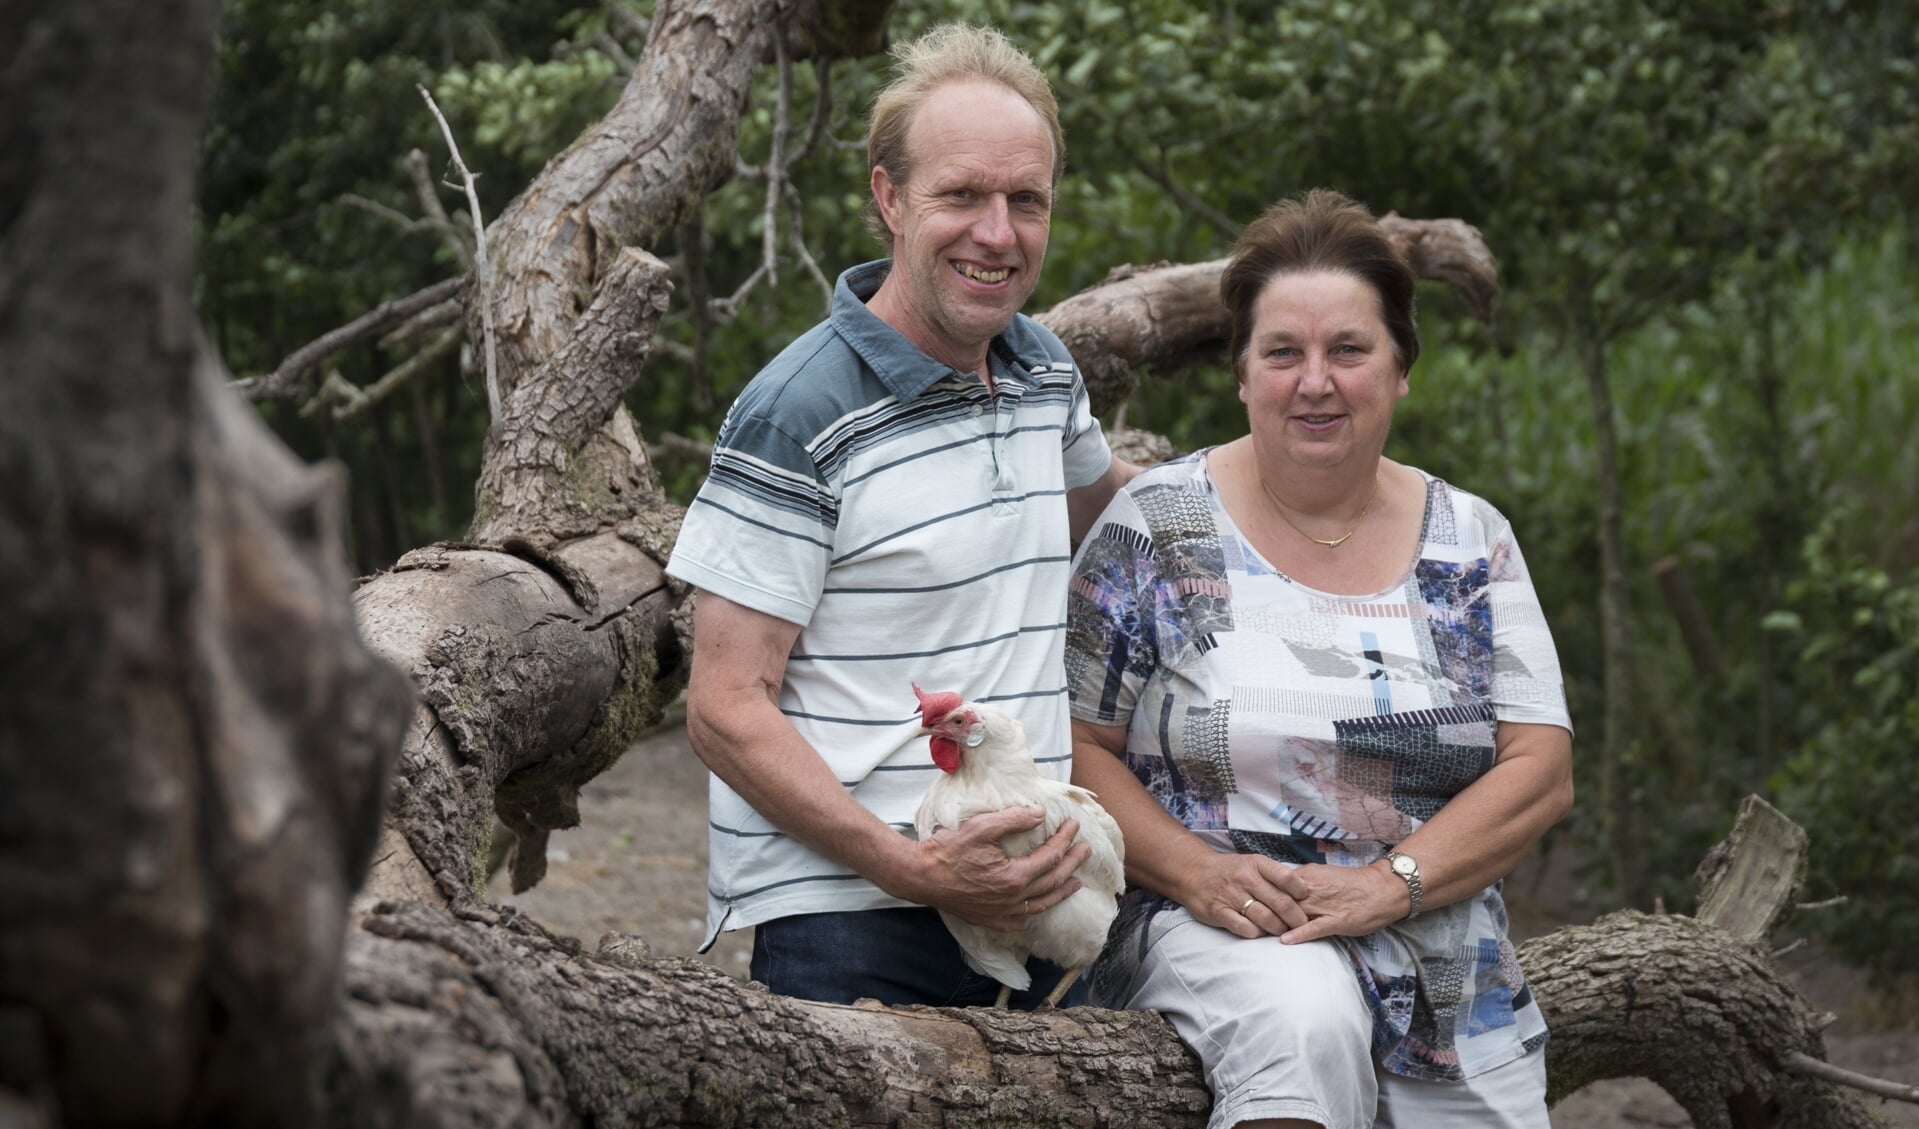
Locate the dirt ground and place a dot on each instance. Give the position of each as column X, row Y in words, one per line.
column 637, row 864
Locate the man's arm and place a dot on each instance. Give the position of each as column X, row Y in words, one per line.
column 1085, row 503
column 734, row 721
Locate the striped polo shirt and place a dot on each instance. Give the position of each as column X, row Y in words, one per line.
column 914, row 525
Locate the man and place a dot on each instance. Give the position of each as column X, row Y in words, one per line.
column 891, row 501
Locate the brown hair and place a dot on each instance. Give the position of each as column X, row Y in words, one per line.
column 1320, row 230
column 949, row 53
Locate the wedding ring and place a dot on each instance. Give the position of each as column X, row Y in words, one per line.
column 1249, row 901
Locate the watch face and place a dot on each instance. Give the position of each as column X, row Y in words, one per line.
column 1404, row 865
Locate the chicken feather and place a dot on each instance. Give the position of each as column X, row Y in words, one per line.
column 989, row 766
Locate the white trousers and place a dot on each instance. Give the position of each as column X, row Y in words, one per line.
column 1284, row 1031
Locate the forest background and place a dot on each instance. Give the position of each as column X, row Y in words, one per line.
column 1694, row 401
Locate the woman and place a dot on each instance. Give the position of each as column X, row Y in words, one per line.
column 1314, row 687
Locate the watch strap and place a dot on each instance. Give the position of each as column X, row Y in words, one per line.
column 1410, row 875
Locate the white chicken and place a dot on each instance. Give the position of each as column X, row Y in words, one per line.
column 988, row 766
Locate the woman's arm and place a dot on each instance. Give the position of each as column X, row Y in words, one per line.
column 1163, row 856
column 1477, row 838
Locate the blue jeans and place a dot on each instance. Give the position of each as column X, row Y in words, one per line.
column 895, row 956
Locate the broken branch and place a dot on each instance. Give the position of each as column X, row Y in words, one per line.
column 283, row 382
column 479, row 257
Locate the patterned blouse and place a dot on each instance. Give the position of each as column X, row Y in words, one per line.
column 1271, row 717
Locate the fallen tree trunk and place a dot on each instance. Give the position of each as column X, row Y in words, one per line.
column 505, row 1026
column 1697, row 1005
column 629, row 1039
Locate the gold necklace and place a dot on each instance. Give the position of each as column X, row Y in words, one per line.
column 1280, row 509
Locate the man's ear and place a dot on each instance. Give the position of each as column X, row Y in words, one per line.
column 886, row 194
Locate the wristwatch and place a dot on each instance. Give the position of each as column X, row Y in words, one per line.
column 1408, row 871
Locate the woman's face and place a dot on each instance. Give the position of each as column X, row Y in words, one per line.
column 1319, row 379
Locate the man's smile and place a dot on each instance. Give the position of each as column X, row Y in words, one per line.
column 983, row 274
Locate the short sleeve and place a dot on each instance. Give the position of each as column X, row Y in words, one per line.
column 1110, row 648
column 1083, row 449
column 760, row 531
column 1526, row 684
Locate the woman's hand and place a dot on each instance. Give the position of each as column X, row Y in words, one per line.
column 1246, row 895
column 1346, row 901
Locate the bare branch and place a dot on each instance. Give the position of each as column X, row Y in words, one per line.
column 1800, row 1063
column 615, row 52
column 776, row 162
column 283, row 382
column 633, row 23
column 1185, row 196
column 728, row 307
column 407, row 224
column 671, row 445
column 479, row 257
column 334, row 389
column 699, row 294
column 403, row 337
column 797, row 238
column 822, row 110
column 1829, row 903
column 680, row 352
column 440, row 346
column 415, row 165
column 1449, row 251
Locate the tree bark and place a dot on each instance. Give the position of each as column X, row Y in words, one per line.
column 189, row 728
column 1617, row 753
column 1697, row 1005
column 505, row 1025
column 546, row 647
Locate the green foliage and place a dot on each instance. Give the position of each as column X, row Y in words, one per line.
column 1856, row 633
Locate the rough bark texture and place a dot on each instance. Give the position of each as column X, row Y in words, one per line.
column 1748, row 884
column 637, row 172
column 505, row 1026
column 554, row 468
column 536, row 669
column 1164, row 315
column 189, row 728
column 1696, row 1005
column 1704, row 1015
column 543, row 649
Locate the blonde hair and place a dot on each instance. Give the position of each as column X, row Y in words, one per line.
column 949, row 53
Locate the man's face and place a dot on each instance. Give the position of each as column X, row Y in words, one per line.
column 970, row 225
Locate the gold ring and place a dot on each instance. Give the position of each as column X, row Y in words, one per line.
column 1249, row 901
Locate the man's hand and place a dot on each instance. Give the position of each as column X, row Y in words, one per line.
column 964, row 871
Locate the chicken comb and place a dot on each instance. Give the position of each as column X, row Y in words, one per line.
column 935, row 706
